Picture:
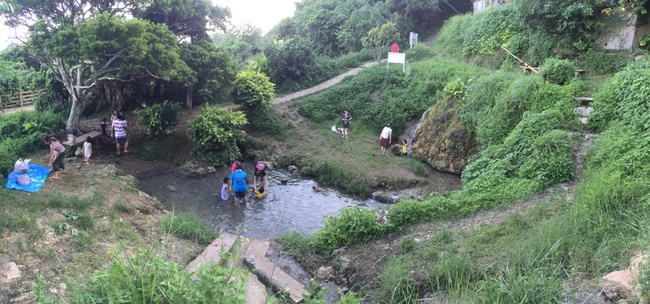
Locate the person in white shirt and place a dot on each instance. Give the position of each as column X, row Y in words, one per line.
column 385, row 138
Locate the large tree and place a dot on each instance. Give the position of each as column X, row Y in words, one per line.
column 88, row 43
column 186, row 18
column 379, row 37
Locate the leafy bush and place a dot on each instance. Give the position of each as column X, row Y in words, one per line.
column 22, row 132
column 254, row 91
column 605, row 101
column 188, row 226
column 519, row 288
column 158, row 118
column 601, row 62
column 217, row 133
column 450, row 36
column 267, row 121
column 399, row 286
column 557, row 71
column 551, row 158
column 412, row 212
column 289, row 60
column 419, row 52
column 490, row 30
column 148, row 278
column 352, row 225
column 573, row 22
column 482, row 96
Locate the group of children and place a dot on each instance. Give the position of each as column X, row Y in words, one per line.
column 236, row 183
column 57, row 150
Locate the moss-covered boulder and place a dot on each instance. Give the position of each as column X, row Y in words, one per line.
column 442, row 140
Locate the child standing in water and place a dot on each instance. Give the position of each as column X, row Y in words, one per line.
column 88, row 150
column 404, row 148
column 224, row 189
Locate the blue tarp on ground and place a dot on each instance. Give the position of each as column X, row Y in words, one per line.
column 37, row 175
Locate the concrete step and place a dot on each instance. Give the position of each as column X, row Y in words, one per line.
column 254, row 289
column 584, row 100
column 222, row 244
column 255, row 258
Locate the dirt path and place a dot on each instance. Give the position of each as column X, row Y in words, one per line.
column 327, row 84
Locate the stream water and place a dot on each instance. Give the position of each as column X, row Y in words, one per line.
column 295, row 206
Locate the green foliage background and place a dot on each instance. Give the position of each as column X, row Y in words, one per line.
column 217, row 133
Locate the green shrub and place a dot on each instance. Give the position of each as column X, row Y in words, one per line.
column 551, row 160
column 558, row 71
column 254, row 91
column 296, row 243
column 158, row 118
column 605, row 102
column 22, row 132
column 490, row 30
column 148, row 278
column 396, row 283
column 217, row 133
column 338, row 175
column 267, row 121
column 188, row 226
column 419, row 52
column 601, row 62
column 352, row 225
column 450, row 36
column 482, row 96
column 494, row 124
column 518, row 288
column 412, row 212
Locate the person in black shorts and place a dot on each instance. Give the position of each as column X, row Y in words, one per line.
column 346, row 123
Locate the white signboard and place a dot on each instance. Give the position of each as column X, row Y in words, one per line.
column 396, row 58
column 413, row 39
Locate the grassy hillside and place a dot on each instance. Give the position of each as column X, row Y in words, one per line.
column 529, row 140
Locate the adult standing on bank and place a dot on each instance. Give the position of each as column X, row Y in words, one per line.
column 238, row 186
column 57, row 154
column 394, row 48
column 385, row 138
column 119, row 132
column 346, row 123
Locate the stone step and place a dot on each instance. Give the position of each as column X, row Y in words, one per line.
column 254, row 289
column 255, row 258
column 222, row 244
column 584, row 100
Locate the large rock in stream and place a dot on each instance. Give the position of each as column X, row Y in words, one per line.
column 442, row 140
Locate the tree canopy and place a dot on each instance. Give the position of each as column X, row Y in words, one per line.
column 89, row 44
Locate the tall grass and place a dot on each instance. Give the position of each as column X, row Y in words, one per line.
column 188, row 226
column 147, row 277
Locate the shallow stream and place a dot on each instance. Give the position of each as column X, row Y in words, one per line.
column 294, row 207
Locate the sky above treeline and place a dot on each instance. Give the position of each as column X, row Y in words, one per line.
column 264, row 14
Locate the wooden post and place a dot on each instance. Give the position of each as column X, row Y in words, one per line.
column 1, row 106
column 21, row 99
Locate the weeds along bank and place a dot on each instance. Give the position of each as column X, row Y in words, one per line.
column 524, row 126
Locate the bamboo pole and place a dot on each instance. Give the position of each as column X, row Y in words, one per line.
column 522, row 62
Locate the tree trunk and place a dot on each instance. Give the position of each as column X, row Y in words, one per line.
column 188, row 100
column 72, row 126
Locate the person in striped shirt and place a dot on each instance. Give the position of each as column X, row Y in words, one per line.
column 119, row 132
